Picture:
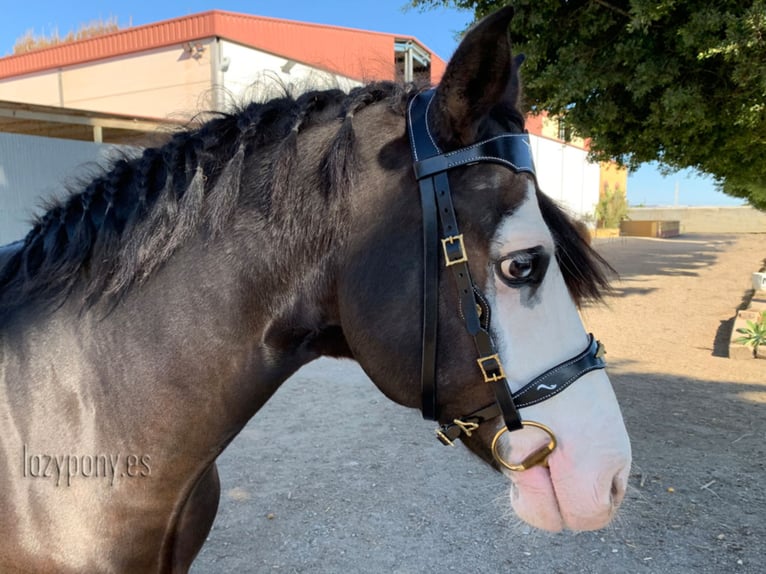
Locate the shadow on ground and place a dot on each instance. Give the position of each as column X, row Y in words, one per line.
column 332, row 477
column 685, row 255
column 723, row 333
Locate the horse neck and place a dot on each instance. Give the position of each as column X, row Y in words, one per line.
column 223, row 321
column 198, row 348
column 206, row 339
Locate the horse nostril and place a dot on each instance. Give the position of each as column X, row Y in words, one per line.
column 618, row 491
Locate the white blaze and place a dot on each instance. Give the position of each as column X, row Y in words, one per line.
column 589, row 468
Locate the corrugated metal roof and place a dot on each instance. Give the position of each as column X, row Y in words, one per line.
column 355, row 53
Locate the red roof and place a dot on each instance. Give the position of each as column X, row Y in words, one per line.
column 354, row 53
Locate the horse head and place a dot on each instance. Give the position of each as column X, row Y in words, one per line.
column 523, row 270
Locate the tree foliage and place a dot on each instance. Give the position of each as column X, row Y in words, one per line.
column 683, row 83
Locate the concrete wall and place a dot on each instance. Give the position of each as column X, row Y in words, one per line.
column 706, row 219
column 33, row 169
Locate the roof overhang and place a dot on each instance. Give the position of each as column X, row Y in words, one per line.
column 67, row 123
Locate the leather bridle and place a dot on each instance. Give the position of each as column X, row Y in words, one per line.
column 431, row 167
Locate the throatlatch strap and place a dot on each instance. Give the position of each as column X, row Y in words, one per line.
column 421, row 142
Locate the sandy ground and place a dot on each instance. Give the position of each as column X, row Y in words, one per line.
column 330, row 477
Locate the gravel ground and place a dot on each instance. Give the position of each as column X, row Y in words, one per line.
column 331, row 477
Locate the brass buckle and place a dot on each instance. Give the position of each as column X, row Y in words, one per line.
column 466, row 426
column 538, row 457
column 487, row 377
column 461, row 256
column 600, row 350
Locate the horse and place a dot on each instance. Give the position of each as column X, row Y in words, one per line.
column 149, row 314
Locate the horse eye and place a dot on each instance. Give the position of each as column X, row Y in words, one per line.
column 519, row 267
column 522, row 267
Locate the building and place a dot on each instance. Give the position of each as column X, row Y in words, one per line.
column 207, row 61
column 123, row 85
column 612, row 177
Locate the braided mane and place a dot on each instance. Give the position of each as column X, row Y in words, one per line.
column 125, row 223
column 129, row 220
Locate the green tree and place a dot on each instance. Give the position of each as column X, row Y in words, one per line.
column 683, row 83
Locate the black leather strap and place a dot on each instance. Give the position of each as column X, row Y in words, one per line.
column 558, row 378
column 421, row 142
column 545, row 386
column 469, row 305
column 431, row 166
column 511, row 150
column 430, row 299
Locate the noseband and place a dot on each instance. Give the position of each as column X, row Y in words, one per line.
column 431, row 167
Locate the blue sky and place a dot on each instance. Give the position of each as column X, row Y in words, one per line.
column 437, row 29
column 647, row 186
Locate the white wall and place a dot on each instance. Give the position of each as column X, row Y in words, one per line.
column 565, row 174
column 33, row 169
column 255, row 75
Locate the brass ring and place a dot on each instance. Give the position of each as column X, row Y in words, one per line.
column 540, row 456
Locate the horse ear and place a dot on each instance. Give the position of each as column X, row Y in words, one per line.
column 513, row 90
column 478, row 77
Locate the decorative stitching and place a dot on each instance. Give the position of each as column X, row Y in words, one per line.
column 543, row 377
column 428, row 129
column 561, row 388
column 529, row 386
column 481, row 143
column 481, row 158
column 484, row 305
column 410, row 127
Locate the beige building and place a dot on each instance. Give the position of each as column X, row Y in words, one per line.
column 176, row 68
column 168, row 71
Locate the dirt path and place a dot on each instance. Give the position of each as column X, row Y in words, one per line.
column 332, row 478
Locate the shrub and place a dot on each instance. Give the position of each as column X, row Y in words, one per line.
column 611, row 208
